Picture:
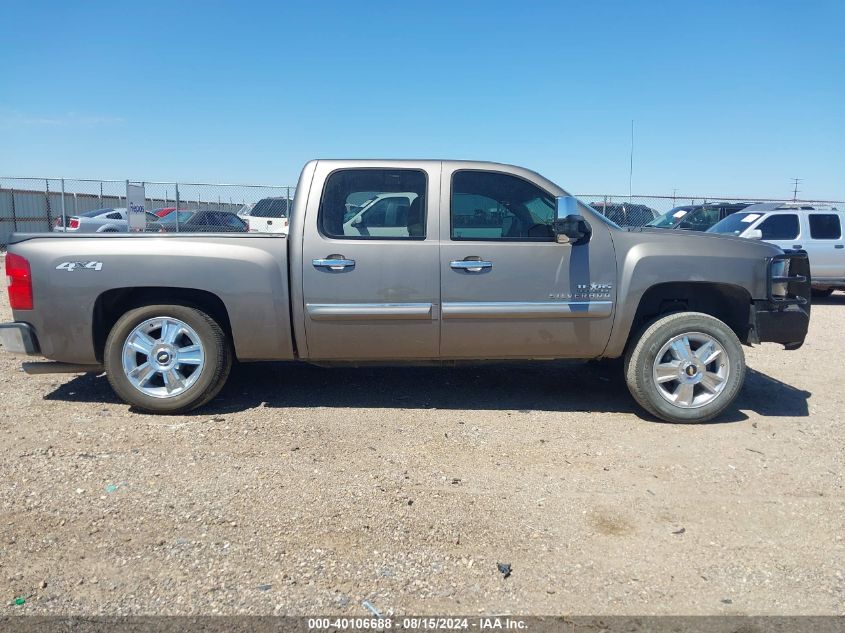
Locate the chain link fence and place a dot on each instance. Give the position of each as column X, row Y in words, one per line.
column 30, row 205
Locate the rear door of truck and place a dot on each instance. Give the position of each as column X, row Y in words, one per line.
column 825, row 244
column 371, row 292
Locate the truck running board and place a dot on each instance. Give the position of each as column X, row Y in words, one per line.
column 52, row 367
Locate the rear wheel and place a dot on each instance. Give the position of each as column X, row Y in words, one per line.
column 686, row 367
column 167, row 358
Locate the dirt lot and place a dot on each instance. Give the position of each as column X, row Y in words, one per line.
column 304, row 490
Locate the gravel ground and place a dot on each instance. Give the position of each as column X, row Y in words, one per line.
column 303, row 490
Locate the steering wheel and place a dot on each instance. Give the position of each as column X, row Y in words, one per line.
column 546, row 228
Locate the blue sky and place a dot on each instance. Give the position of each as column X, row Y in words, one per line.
column 728, row 97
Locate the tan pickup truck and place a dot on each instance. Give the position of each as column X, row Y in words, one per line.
column 408, row 261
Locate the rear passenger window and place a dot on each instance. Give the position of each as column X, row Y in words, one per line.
column 825, row 226
column 374, row 204
column 781, row 226
column 490, row 205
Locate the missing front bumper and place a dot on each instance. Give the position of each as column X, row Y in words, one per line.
column 787, row 326
column 784, row 317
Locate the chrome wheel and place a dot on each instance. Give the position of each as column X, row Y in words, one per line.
column 691, row 370
column 163, row 357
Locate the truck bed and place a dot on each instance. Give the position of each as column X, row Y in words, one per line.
column 244, row 275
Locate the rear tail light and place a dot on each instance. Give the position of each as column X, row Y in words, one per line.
column 73, row 223
column 20, row 282
column 58, row 222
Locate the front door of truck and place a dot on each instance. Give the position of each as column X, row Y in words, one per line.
column 508, row 289
column 370, row 265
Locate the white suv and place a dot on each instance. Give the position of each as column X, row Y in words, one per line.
column 270, row 215
column 817, row 229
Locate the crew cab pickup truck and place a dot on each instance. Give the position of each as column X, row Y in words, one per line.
column 489, row 262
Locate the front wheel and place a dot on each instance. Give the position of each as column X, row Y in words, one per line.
column 167, row 358
column 686, row 367
column 821, row 293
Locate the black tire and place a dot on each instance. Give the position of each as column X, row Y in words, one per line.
column 641, row 356
column 212, row 376
column 822, row 292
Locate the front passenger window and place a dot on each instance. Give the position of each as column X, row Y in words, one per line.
column 781, row 226
column 489, row 205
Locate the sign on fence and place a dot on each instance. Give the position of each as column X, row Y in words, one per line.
column 136, row 211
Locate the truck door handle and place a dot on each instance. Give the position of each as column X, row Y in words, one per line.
column 796, row 246
column 470, row 265
column 334, row 262
column 839, row 246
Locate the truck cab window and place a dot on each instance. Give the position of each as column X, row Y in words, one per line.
column 374, row 204
column 490, row 205
column 781, row 226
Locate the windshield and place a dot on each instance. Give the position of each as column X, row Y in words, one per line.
column 670, row 219
column 734, row 224
column 270, row 208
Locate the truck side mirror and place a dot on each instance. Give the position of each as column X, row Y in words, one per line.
column 569, row 226
column 754, row 234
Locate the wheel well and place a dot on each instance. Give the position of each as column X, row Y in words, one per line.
column 728, row 303
column 113, row 304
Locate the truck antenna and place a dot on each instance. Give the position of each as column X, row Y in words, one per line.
column 631, row 165
column 795, row 190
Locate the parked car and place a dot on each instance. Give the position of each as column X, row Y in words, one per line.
column 626, row 213
column 796, row 226
column 99, row 221
column 59, row 227
column 269, row 215
column 201, row 221
column 544, row 277
column 697, row 217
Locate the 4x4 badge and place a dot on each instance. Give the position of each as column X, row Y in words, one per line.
column 71, row 266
